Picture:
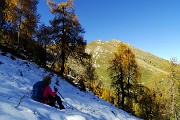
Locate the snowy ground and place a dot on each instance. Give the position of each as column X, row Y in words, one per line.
column 16, row 80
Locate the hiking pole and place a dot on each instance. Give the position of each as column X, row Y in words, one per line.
column 61, row 95
column 66, row 101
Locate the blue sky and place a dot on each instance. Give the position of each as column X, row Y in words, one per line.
column 150, row 25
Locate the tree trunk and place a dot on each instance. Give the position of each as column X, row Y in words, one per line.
column 63, row 47
column 63, row 62
column 173, row 99
column 19, row 32
column 122, row 90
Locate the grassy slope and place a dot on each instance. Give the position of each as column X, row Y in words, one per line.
column 153, row 69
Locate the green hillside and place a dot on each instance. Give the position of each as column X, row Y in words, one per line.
column 153, row 69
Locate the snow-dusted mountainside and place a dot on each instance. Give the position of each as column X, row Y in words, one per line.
column 17, row 78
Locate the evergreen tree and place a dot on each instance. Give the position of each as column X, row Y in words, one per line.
column 67, row 32
column 43, row 34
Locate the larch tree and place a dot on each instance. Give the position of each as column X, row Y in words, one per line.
column 132, row 75
column 174, row 92
column 91, row 74
column 124, row 73
column 22, row 16
column 67, row 32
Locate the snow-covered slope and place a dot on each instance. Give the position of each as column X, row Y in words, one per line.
column 16, row 80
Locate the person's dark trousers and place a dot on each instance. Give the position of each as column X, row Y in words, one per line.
column 52, row 101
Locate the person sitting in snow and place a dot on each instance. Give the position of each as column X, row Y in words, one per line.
column 42, row 92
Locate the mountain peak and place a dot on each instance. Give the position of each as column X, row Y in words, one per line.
column 99, row 41
column 114, row 41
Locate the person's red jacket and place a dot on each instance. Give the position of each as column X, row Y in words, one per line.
column 48, row 92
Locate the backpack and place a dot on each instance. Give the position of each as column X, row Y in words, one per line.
column 37, row 92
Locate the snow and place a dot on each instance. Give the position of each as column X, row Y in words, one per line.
column 17, row 78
